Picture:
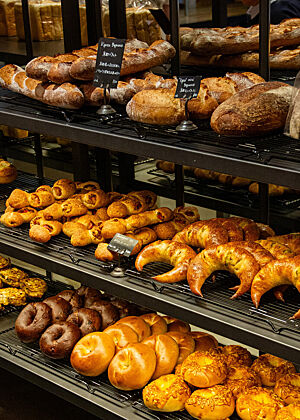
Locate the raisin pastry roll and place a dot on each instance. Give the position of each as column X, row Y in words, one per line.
column 63, row 189
column 18, row 217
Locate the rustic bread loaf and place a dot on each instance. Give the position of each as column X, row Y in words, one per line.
column 209, row 41
column 94, row 96
column 279, row 59
column 258, row 110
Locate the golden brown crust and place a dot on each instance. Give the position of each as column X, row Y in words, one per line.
column 291, row 412
column 34, row 287
column 95, row 199
column 278, row 250
column 8, row 172
column 168, row 393
column 63, row 189
column 288, row 388
column 257, row 402
column 271, row 368
column 175, row 324
column 240, row 378
column 18, row 217
column 203, row 341
column 237, row 356
column 185, row 343
column 13, row 276
column 122, row 335
column 177, row 254
column 212, row 403
column 156, row 323
column 138, row 325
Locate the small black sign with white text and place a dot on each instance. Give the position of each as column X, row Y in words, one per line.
column 122, row 244
column 109, row 62
column 188, row 87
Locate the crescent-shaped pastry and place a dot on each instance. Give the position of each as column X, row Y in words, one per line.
column 174, row 253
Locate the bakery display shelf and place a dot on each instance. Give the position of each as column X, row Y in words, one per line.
column 80, row 265
column 99, row 387
column 226, row 192
column 271, row 159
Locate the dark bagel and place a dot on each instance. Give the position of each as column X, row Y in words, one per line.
column 60, row 308
column 124, row 307
column 59, row 339
column 86, row 319
column 109, row 313
column 32, row 321
column 89, row 295
column 72, row 297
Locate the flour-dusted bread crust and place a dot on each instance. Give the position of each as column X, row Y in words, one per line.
column 261, row 109
column 94, row 96
column 157, row 107
column 210, row 41
column 65, row 95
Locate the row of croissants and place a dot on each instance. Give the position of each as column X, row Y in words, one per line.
column 176, row 368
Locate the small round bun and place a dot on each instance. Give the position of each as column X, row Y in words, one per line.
column 167, row 393
column 185, row 343
column 215, row 403
column 240, row 378
column 271, row 368
column 288, row 388
column 156, row 323
column 175, row 324
column 138, row 325
column 8, row 172
column 204, row 369
column 167, row 353
column 258, row 402
column 203, row 340
column 237, row 356
column 122, row 335
column 92, row 354
column 291, row 412
column 132, row 367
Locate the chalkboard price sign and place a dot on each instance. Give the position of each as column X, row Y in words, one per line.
column 109, row 62
column 188, row 87
column 122, row 244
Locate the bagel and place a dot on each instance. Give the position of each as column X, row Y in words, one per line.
column 122, row 335
column 167, row 393
column 137, row 324
column 156, row 323
column 291, row 412
column 203, row 340
column 174, row 253
column 175, row 324
column 92, row 354
column 215, row 403
column 132, row 367
column 288, row 388
column 258, row 403
column 240, row 378
column 185, row 343
column 271, row 368
column 204, row 369
column 237, row 355
column 167, row 353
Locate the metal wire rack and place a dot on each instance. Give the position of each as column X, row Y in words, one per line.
column 216, row 293
column 226, row 192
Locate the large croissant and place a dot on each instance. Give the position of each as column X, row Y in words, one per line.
column 292, row 240
column 276, row 273
column 229, row 257
column 174, row 253
column 203, row 234
column 277, row 249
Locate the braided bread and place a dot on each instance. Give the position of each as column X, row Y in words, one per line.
column 176, row 254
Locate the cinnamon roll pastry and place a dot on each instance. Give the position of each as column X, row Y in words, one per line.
column 227, row 257
column 95, row 199
column 18, row 217
column 63, row 189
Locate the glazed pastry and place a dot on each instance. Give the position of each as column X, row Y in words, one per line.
column 137, row 221
column 156, row 323
column 12, row 296
column 291, row 240
column 33, row 287
column 18, row 217
column 13, row 276
column 203, row 341
column 122, row 335
column 228, row 257
column 63, row 189
column 291, row 412
column 176, row 254
column 203, row 234
column 278, row 250
column 185, row 343
column 175, row 324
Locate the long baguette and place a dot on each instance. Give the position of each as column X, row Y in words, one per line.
column 94, row 96
column 65, row 95
column 137, row 221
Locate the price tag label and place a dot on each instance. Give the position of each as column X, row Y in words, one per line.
column 188, row 87
column 109, row 62
column 122, row 244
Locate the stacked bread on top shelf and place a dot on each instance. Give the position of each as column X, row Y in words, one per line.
column 65, row 80
column 176, row 367
column 237, row 47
